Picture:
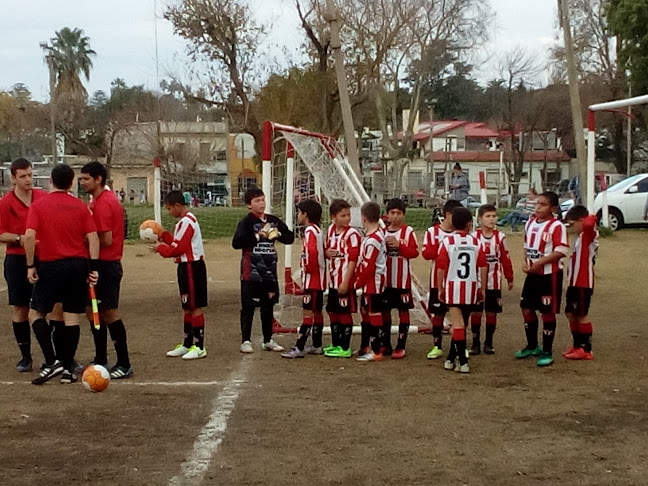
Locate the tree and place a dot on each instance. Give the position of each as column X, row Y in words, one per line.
column 628, row 20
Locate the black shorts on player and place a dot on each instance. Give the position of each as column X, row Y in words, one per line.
column 313, row 300
column 64, row 281
column 109, row 284
column 371, row 303
column 18, row 286
column 542, row 292
column 400, row 299
column 492, row 302
column 192, row 282
column 341, row 304
column 435, row 306
column 577, row 301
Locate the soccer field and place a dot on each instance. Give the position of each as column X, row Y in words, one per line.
column 257, row 419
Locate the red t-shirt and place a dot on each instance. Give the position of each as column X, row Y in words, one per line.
column 61, row 223
column 108, row 215
column 13, row 217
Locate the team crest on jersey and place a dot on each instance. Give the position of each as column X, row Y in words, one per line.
column 546, row 237
column 546, row 300
column 405, row 298
column 344, row 302
column 307, row 298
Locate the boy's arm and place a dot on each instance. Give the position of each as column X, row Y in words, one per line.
column 442, row 265
column 368, row 267
column 177, row 247
column 287, row 237
column 589, row 229
column 409, row 249
column 482, row 266
column 507, row 264
column 353, row 255
column 430, row 249
column 312, row 264
column 244, row 236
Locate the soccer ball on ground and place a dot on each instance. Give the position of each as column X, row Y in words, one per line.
column 150, row 231
column 95, row 378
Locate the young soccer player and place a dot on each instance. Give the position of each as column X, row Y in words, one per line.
column 186, row 247
column 434, row 236
column 370, row 278
column 545, row 244
column 256, row 235
column 462, row 271
column 342, row 251
column 313, row 267
column 401, row 248
column 493, row 244
column 580, row 271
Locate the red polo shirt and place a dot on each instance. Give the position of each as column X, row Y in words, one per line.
column 13, row 217
column 61, row 223
column 108, row 215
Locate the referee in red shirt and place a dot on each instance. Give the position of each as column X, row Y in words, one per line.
column 14, row 207
column 62, row 223
column 108, row 215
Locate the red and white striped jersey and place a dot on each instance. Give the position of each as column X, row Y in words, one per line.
column 541, row 239
column 313, row 264
column 461, row 257
column 497, row 257
column 186, row 244
column 432, row 240
column 371, row 270
column 399, row 272
column 580, row 269
column 347, row 244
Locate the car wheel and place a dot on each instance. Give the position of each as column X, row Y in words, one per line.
column 615, row 219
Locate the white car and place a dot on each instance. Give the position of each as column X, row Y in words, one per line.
column 626, row 202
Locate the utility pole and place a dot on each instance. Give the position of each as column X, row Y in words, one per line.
column 574, row 96
column 343, row 89
column 629, row 142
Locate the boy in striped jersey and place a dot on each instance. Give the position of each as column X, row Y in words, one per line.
column 493, row 244
column 580, row 273
column 342, row 251
column 545, row 244
column 370, row 278
column 313, row 267
column 434, row 236
column 401, row 247
column 462, row 271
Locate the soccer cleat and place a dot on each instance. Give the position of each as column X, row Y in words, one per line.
column 369, row 356
column 272, row 346
column 338, row 352
column 118, row 372
column 195, row 353
column 386, row 350
column 49, row 372
column 314, row 350
column 545, row 359
column 462, row 368
column 246, row 347
column 68, row 378
column 475, row 350
column 580, row 354
column 526, row 352
column 179, row 350
column 328, row 348
column 435, row 353
column 293, row 353
column 449, row 365
column 488, row 349
column 398, row 354
column 569, row 351
column 24, row 365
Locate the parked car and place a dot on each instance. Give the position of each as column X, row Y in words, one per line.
column 626, row 202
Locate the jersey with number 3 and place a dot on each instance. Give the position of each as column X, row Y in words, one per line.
column 461, row 256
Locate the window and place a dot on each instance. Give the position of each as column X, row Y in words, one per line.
column 221, row 155
column 205, row 152
column 643, row 185
column 439, row 180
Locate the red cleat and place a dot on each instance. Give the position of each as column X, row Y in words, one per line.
column 569, row 351
column 398, row 354
column 580, row 354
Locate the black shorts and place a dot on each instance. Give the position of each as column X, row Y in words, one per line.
column 64, row 281
column 341, row 304
column 492, row 302
column 109, row 284
column 435, row 306
column 400, row 299
column 371, row 303
column 578, row 301
column 18, row 287
column 313, row 300
column 192, row 282
column 542, row 292
column 257, row 294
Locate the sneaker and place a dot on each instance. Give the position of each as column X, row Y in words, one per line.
column 569, row 351
column 398, row 354
column 293, row 353
column 195, row 353
column 49, row 372
column 246, row 347
column 386, row 350
column 328, row 348
column 488, row 349
column 118, row 372
column 67, row 377
column 526, row 352
column 313, row 350
column 77, row 368
column 545, row 359
column 475, row 350
column 272, row 346
column 179, row 350
column 449, row 365
column 435, row 353
column 369, row 356
column 338, row 352
column 24, row 365
column 362, row 351
column 462, row 368
column 579, row 354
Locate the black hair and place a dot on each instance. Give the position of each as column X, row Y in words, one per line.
column 338, row 205
column 485, row 208
column 576, row 213
column 552, row 197
column 96, row 169
column 62, row 176
column 450, row 205
column 370, row 211
column 461, row 218
column 312, row 209
column 253, row 193
column 174, row 197
column 19, row 164
column 396, row 203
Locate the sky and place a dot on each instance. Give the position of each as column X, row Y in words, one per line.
column 122, row 32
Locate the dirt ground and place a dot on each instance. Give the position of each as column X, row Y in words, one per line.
column 333, row 422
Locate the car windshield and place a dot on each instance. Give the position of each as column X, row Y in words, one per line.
column 624, row 184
